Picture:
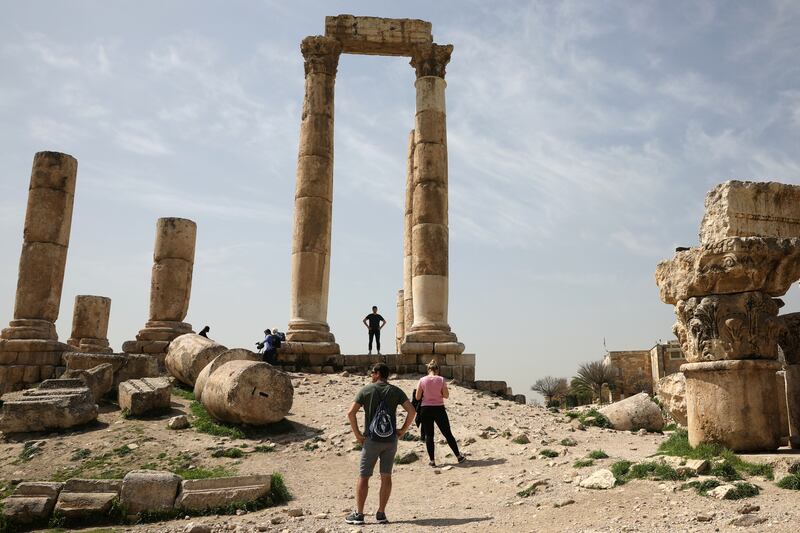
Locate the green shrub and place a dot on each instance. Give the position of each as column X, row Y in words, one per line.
column 521, row 439
column 726, row 471
column 530, row 491
column 672, row 426
column 547, row 452
column 620, row 469
column 569, row 441
column 743, row 490
column 597, row 454
column 792, row 482
column 205, row 424
column 232, row 453
column 180, row 390
column 702, row 487
column 655, row 471
column 573, row 414
column 583, row 463
column 264, row 448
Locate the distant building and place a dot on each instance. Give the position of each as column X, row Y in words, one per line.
column 639, row 370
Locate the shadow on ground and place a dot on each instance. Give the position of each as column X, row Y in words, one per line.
column 442, row 522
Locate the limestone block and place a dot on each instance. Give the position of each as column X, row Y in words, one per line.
column 430, row 244
column 730, row 326
column 380, row 36
column 41, row 276
column 170, row 289
column 90, row 319
column 315, row 177
column 99, row 380
column 789, row 339
column 671, row 391
column 309, row 291
column 125, row 366
column 200, row 494
column 448, row 347
column 316, row 135
column 49, row 216
column 236, row 354
column 86, row 498
column 32, row 502
column 430, row 160
column 732, row 265
column 733, row 403
column 30, row 374
column 149, row 490
column 318, row 96
column 140, row 396
column 430, row 91
column 793, row 403
column 600, row 479
column 430, row 127
column 175, row 239
column 469, row 374
column 248, row 392
column 783, row 414
column 745, row 208
column 430, row 203
column 312, row 227
column 495, row 387
column 633, row 413
column 189, row 354
column 458, row 373
column 46, row 408
column 54, row 170
column 326, row 348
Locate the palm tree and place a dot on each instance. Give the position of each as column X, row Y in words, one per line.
column 551, row 388
column 592, row 376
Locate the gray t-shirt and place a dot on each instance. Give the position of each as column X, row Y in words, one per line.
column 370, row 397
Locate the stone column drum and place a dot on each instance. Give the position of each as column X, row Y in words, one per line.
column 734, row 403
column 308, row 330
column 400, row 325
column 170, row 287
column 408, row 223
column 793, row 404
column 90, row 324
column 430, row 332
column 29, row 347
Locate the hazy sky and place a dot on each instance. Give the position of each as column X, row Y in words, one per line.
column 582, row 136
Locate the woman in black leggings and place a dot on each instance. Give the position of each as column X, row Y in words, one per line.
column 432, row 390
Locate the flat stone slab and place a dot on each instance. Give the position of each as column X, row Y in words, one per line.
column 46, row 408
column 31, row 502
column 378, row 36
column 125, row 366
column 83, row 498
column 199, row 494
column 139, row 396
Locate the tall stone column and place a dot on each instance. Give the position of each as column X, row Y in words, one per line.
column 430, row 332
column 408, row 224
column 170, row 288
column 90, row 324
column 308, row 330
column 400, row 324
column 29, row 347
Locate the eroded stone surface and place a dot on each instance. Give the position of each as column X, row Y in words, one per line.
column 671, row 391
column 189, row 354
column 732, row 265
column 140, row 396
column 32, row 502
column 199, row 494
column 99, row 379
column 149, row 490
column 90, row 324
column 730, row 326
column 47, row 408
column 86, row 498
column 635, row 412
column 379, row 36
column 236, row 354
column 125, row 366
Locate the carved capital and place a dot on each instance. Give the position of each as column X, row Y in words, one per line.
column 431, row 59
column 321, row 54
column 730, row 326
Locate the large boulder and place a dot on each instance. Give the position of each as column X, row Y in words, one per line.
column 188, row 354
column 635, row 412
column 601, row 479
column 236, row 354
column 671, row 392
column 248, row 392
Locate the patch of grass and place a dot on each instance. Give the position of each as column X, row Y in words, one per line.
column 547, row 452
column 29, row 451
column 620, row 469
column 506, row 434
column 569, row 441
column 530, row 491
column 702, row 487
column 205, row 424
column 597, row 454
column 125, row 413
column 78, row 455
column 672, row 426
column 751, row 469
column 725, row 470
column 583, row 463
column 521, row 439
column 231, row 453
column 264, row 448
column 203, row 473
column 357, row 446
column 791, row 482
column 743, row 490
column 591, row 417
column 572, row 414
column 122, row 451
column 310, row 446
column 181, row 391
column 655, row 471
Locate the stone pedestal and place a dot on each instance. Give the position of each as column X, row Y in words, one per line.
column 29, row 346
column 734, row 403
column 170, row 288
column 313, row 203
column 793, row 404
column 90, row 324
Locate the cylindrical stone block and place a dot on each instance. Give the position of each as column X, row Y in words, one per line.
column 430, row 243
column 408, row 307
column 175, row 239
column 236, row 354
column 430, row 127
column 312, row 228
column 793, row 404
column 309, row 297
column 430, row 301
column 188, row 355
column 430, row 161
column 48, row 220
column 90, row 319
column 733, row 403
column 170, row 289
column 430, row 94
column 317, row 172
column 248, row 392
column 400, row 321
column 430, row 203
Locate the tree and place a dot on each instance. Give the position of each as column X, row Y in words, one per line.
column 551, row 388
column 592, row 376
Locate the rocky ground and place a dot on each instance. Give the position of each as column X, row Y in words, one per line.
column 316, row 456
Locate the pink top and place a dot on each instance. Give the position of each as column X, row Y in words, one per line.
column 431, row 387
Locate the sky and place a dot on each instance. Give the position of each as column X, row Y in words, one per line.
column 582, row 139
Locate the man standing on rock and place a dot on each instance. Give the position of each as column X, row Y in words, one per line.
column 374, row 322
column 377, row 398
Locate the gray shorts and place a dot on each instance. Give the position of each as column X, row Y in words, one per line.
column 371, row 452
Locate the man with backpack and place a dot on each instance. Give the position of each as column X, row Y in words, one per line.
column 271, row 343
column 379, row 440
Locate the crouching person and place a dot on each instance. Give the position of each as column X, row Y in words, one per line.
column 379, row 440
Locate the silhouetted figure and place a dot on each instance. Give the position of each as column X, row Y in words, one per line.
column 204, row 331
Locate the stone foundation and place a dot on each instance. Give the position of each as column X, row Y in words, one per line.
column 24, row 362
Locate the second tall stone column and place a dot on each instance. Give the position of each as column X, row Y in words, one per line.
column 308, row 327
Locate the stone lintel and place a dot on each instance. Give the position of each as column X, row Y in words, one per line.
column 378, row 36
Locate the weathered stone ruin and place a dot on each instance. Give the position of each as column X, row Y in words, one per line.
column 98, row 379
column 29, row 347
column 725, row 295
column 90, row 324
column 425, row 332
column 170, row 288
column 147, row 395
column 55, row 404
column 123, row 366
column 236, row 354
column 189, row 354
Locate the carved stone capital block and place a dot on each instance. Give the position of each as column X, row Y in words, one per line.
column 321, row 54
column 431, row 59
column 730, row 326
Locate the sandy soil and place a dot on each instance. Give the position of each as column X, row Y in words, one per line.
column 479, row 495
